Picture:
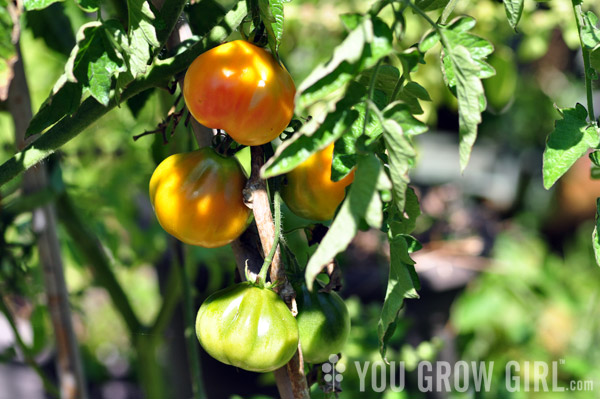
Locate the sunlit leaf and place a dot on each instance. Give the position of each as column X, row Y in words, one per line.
column 271, row 13
column 358, row 203
column 38, row 4
column 402, row 283
column 570, row 140
column 514, row 10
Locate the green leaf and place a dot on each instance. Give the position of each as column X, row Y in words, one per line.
column 463, row 61
column 514, row 10
column 590, row 34
column 362, row 49
column 358, row 204
column 62, row 101
column 8, row 53
column 570, row 140
column 429, row 39
column 271, row 13
column 398, row 126
column 595, row 172
column 404, row 221
column 89, row 5
column 38, row 4
column 353, row 140
column 202, row 15
column 410, row 94
column 595, row 237
column 410, row 59
column 387, row 77
column 94, row 61
column 314, row 136
column 595, row 157
column 142, row 36
column 351, row 21
column 431, row 5
column 53, row 26
column 595, row 58
column 477, row 47
column 469, row 92
column 402, row 283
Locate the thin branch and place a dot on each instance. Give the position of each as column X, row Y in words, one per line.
column 90, row 110
column 431, row 22
column 169, row 303
column 189, row 320
column 94, row 254
column 69, row 364
column 27, row 355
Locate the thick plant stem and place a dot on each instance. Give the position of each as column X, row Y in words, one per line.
column 274, row 247
column 150, row 373
column 70, row 369
column 256, row 193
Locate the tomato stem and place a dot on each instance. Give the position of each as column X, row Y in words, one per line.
column 577, row 10
column 262, row 276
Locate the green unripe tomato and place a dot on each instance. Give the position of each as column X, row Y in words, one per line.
column 323, row 322
column 248, row 327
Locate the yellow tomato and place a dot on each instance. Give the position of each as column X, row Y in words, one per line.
column 197, row 197
column 242, row 89
column 310, row 192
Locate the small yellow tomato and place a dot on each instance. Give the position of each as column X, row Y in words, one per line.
column 242, row 89
column 310, row 192
column 197, row 197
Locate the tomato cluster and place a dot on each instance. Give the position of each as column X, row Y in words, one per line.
column 198, row 198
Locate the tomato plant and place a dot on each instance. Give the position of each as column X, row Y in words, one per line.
column 197, row 197
column 248, row 327
column 310, row 192
column 240, row 88
column 323, row 322
column 372, row 81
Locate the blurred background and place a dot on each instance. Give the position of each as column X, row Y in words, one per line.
column 507, row 268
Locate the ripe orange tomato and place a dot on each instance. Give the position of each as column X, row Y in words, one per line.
column 309, row 191
column 197, row 197
column 241, row 89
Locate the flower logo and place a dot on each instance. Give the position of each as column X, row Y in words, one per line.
column 332, row 370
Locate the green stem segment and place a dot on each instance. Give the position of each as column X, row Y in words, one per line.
column 435, row 26
column 48, row 385
column 586, row 61
column 370, row 95
column 91, row 249
column 189, row 320
column 262, row 275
